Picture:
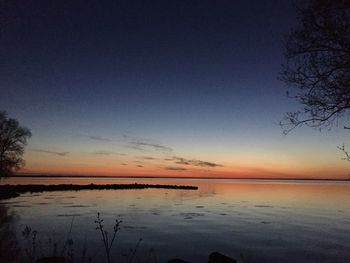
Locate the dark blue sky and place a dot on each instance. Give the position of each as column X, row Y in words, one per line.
column 161, row 57
column 181, row 73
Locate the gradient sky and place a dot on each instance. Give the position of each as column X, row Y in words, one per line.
column 157, row 88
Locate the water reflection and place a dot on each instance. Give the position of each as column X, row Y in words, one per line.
column 268, row 221
column 8, row 240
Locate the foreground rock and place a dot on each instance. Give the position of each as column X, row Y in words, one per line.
column 177, row 260
column 51, row 260
column 214, row 257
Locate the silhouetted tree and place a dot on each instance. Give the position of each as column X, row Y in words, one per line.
column 13, row 139
column 317, row 64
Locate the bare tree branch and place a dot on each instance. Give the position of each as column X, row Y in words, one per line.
column 317, row 66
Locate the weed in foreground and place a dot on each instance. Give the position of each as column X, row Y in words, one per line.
column 107, row 242
column 31, row 247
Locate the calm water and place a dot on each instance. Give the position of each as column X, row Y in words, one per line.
column 266, row 221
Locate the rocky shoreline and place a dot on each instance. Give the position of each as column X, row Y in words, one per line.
column 10, row 191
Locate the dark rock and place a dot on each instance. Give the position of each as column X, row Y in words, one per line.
column 51, row 260
column 216, row 257
column 177, row 260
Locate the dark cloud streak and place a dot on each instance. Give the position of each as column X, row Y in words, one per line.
column 103, row 152
column 148, row 158
column 145, row 146
column 51, row 152
column 194, row 162
column 95, row 138
column 171, row 168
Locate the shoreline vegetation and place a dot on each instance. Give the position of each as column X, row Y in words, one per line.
column 10, row 191
column 35, row 250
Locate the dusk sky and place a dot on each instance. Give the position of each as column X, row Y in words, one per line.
column 157, row 88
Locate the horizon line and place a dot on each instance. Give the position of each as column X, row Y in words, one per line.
column 43, row 175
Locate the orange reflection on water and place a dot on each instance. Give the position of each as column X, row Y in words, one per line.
column 272, row 192
column 301, row 194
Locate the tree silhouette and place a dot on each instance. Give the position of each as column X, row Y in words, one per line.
column 13, row 139
column 317, row 67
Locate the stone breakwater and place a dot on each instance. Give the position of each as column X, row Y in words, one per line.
column 8, row 191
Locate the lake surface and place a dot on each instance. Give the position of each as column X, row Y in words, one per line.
column 265, row 221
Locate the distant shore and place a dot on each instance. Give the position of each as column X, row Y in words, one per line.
column 176, row 177
column 9, row 191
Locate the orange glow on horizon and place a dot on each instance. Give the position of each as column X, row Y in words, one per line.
column 265, row 166
column 229, row 172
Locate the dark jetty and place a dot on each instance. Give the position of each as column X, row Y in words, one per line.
column 8, row 191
